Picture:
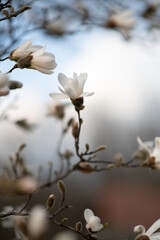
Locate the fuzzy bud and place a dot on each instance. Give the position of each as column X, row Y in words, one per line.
column 4, row 12
column 62, row 187
column 14, row 85
column 75, row 129
column 78, row 227
column 100, row 148
column 50, row 201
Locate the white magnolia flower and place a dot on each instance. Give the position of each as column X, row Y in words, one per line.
column 65, row 236
column 73, row 87
column 24, row 50
column 43, row 61
column 153, row 153
column 37, row 224
column 150, row 233
column 93, row 222
column 123, row 19
column 4, row 84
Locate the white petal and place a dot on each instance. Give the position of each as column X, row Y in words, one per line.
column 88, row 214
column 62, row 79
column 139, row 229
column 153, row 228
column 58, row 95
column 71, row 93
column 25, row 45
column 157, row 142
column 82, row 80
column 39, row 52
column 43, row 70
column 87, row 94
column 142, row 144
column 155, row 236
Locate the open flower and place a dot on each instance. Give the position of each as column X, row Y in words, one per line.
column 4, row 84
column 153, row 153
column 43, row 61
column 150, row 233
column 93, row 222
column 24, row 50
column 73, row 88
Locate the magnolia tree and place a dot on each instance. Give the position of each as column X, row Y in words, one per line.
column 31, row 223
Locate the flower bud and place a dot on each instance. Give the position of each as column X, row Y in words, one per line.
column 50, row 201
column 100, row 148
column 75, row 129
column 14, row 85
column 4, row 12
column 62, row 187
column 78, row 227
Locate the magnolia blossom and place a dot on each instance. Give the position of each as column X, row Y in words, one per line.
column 37, row 224
column 123, row 19
column 154, row 153
column 43, row 61
column 93, row 222
column 4, row 84
column 150, row 233
column 73, row 87
column 24, row 50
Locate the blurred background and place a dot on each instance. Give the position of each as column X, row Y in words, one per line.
column 120, row 52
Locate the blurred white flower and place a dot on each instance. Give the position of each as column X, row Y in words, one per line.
column 65, row 236
column 150, row 233
column 73, row 87
column 4, row 84
column 153, row 152
column 37, row 224
column 43, row 61
column 93, row 222
column 24, row 50
column 123, row 19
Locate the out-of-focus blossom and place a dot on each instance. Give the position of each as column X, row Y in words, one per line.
column 37, row 224
column 43, row 61
column 65, row 236
column 25, row 185
column 56, row 110
column 144, row 149
column 93, row 222
column 73, row 88
column 153, row 153
column 4, row 84
column 123, row 19
column 150, row 233
column 24, row 50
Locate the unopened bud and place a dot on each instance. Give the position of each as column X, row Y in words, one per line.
column 78, row 227
column 100, row 148
column 24, row 62
column 4, row 12
column 62, row 187
column 64, row 220
column 87, row 147
column 50, row 201
column 75, row 129
column 14, row 85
